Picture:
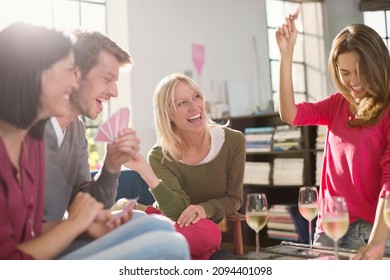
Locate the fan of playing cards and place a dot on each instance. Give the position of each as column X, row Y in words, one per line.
column 108, row 130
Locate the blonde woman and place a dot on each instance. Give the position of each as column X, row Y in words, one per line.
column 196, row 167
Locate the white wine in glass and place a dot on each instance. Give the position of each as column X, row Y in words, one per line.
column 335, row 219
column 308, row 207
column 256, row 214
column 386, row 209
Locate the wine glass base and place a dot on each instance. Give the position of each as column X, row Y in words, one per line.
column 327, row 258
column 310, row 253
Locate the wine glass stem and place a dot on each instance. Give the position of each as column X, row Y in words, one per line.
column 257, row 245
column 310, row 237
column 336, row 249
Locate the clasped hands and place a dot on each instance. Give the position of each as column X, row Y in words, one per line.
column 90, row 215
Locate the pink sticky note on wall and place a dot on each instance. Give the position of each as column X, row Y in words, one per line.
column 198, row 57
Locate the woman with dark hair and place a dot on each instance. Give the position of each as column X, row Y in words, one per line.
column 38, row 75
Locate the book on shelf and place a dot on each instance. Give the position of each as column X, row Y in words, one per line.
column 257, row 173
column 283, row 235
column 268, row 130
column 286, row 146
column 258, row 139
column 280, row 223
column 319, row 163
column 288, row 171
column 285, row 133
column 321, row 136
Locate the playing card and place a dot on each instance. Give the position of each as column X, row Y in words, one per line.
column 104, row 134
column 129, row 207
column 108, row 130
column 296, row 12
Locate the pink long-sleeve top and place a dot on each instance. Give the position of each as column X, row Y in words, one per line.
column 21, row 204
column 356, row 161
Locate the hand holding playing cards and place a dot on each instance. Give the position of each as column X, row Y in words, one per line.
column 123, row 141
column 124, row 147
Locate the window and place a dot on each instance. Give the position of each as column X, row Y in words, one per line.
column 380, row 22
column 309, row 67
column 64, row 14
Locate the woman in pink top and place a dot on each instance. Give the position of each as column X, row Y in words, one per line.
column 356, row 162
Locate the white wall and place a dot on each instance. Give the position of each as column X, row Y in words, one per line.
column 159, row 34
column 337, row 15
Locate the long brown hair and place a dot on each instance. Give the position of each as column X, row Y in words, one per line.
column 374, row 65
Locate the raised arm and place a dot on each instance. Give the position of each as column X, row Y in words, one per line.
column 286, row 36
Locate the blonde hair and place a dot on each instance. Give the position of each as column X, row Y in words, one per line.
column 163, row 105
column 374, row 66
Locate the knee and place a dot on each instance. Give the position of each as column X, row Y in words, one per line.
column 204, row 238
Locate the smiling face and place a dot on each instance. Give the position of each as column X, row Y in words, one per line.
column 350, row 77
column 188, row 114
column 58, row 82
column 98, row 86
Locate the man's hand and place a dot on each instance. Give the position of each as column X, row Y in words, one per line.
column 124, row 147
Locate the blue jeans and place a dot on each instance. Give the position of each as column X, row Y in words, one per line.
column 357, row 236
column 146, row 237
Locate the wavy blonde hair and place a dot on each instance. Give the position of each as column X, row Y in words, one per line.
column 374, row 66
column 163, row 105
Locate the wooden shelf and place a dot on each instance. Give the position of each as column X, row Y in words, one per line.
column 276, row 194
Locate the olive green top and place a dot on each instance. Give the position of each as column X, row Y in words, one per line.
column 217, row 185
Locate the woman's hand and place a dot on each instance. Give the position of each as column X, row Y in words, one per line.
column 286, row 35
column 191, row 215
column 370, row 252
column 84, row 210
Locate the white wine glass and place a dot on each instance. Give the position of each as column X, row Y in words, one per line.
column 335, row 219
column 386, row 209
column 308, row 207
column 256, row 214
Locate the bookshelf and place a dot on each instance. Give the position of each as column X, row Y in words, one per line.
column 301, row 159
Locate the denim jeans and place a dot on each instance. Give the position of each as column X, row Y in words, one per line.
column 357, row 236
column 146, row 237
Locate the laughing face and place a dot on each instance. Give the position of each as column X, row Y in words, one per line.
column 58, row 82
column 97, row 87
column 352, row 79
column 188, row 115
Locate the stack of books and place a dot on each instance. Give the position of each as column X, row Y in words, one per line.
column 286, row 138
column 280, row 223
column 321, row 135
column 288, row 171
column 257, row 173
column 320, row 145
column 258, row 139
